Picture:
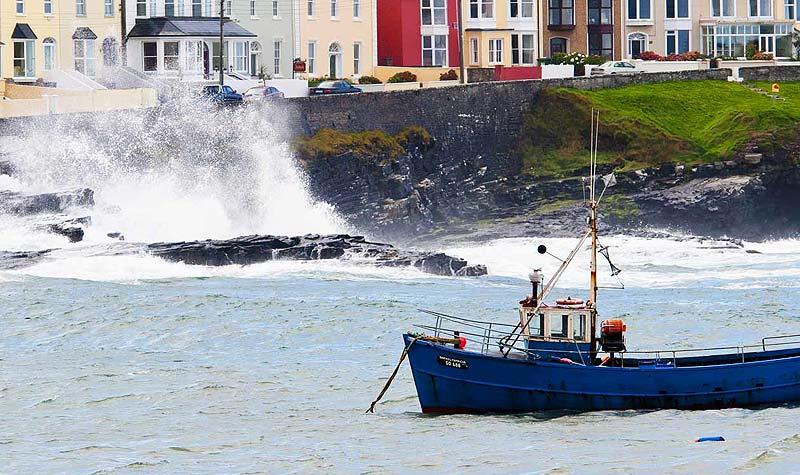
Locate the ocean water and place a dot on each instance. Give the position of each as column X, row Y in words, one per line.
column 130, row 364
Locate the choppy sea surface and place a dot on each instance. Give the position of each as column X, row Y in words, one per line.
column 131, row 364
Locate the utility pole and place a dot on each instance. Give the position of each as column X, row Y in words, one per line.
column 462, row 68
column 221, row 42
column 123, row 40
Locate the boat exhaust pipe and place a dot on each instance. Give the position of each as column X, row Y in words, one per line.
column 536, row 279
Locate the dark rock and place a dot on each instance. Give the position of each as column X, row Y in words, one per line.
column 14, row 260
column 254, row 249
column 27, row 204
column 6, row 168
column 116, row 236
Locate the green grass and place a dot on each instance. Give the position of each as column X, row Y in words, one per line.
column 373, row 146
column 647, row 125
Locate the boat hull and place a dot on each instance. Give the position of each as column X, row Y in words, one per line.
column 456, row 381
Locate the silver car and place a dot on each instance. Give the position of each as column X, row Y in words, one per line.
column 615, row 67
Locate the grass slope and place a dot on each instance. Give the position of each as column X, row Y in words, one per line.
column 645, row 125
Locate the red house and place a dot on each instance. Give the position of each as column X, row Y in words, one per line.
column 418, row 33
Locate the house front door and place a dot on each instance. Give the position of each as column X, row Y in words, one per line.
column 333, row 72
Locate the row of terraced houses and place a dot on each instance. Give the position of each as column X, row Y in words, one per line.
column 78, row 40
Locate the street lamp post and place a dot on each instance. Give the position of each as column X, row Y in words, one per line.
column 221, row 42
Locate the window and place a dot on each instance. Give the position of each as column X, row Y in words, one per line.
column 110, row 52
column 578, row 326
column 241, row 51
column 356, row 8
column 150, row 56
column 522, row 49
column 171, row 56
column 473, row 50
column 677, row 8
column 521, row 9
column 207, row 8
column 20, row 11
column 312, row 57
column 789, row 9
column 677, row 41
column 252, row 8
column 601, row 44
column 169, row 7
column 721, row 8
column 600, row 12
column 637, row 44
column 639, row 9
column 760, row 7
column 558, row 325
column 24, row 61
column 197, row 8
column 276, row 46
column 275, row 11
column 356, row 58
column 558, row 45
column 49, row 54
column 48, row 7
column 732, row 40
column 108, row 7
column 561, row 12
column 141, row 8
column 80, row 7
column 536, row 325
column 481, row 9
column 84, row 56
column 228, row 7
column 310, row 7
column 495, row 51
column 333, row 8
column 434, row 50
column 194, row 56
column 434, row 12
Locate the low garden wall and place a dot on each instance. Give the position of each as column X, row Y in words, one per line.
column 770, row 73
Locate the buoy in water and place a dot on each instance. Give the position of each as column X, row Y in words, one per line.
column 714, row 438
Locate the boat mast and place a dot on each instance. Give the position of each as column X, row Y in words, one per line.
column 595, row 124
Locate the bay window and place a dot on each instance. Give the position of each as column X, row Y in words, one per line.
column 194, row 56
column 561, row 13
column 522, row 49
column 434, row 12
column 677, row 8
column 495, row 51
column 521, row 9
column 83, row 53
column 479, row 9
column 24, row 61
column 639, row 10
column 677, row 41
column 434, row 50
column 601, row 44
column 171, row 56
column 150, row 56
column 600, row 12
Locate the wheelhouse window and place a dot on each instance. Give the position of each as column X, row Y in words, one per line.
column 601, row 44
column 522, row 49
column 722, row 8
column 558, row 45
column 521, row 9
column 84, row 56
column 434, row 50
column 600, row 12
column 561, row 13
column 677, row 41
column 536, row 325
column 578, row 326
column 495, row 51
column 760, row 8
column 80, row 7
column 150, row 56
column 171, row 56
column 480, row 9
column 434, row 12
column 559, row 325
column 24, row 61
column 639, row 10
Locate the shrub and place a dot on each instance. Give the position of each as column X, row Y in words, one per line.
column 693, row 56
column 314, row 82
column 595, row 60
column 405, row 76
column 650, row 56
column 369, row 80
column 761, row 56
column 451, row 75
column 673, row 57
column 750, row 51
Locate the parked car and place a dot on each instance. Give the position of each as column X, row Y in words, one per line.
column 262, row 93
column 615, row 67
column 334, row 87
column 225, row 95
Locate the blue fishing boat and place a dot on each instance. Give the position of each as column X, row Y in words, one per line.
column 555, row 356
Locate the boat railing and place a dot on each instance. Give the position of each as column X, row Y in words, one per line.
column 478, row 332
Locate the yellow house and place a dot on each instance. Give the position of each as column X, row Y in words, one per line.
column 62, row 41
column 337, row 38
column 500, row 32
